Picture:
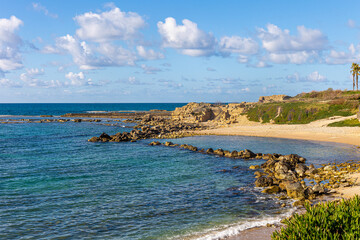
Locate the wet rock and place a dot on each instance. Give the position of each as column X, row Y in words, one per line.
column 264, row 182
column 209, row 151
column 219, row 152
column 253, row 167
column 272, row 190
column 155, row 143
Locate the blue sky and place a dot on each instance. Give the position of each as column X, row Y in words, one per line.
column 174, row 51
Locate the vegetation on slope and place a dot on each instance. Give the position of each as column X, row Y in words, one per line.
column 331, row 220
column 346, row 123
column 307, row 107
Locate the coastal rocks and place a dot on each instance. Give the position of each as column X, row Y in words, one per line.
column 162, row 130
column 272, row 190
column 206, row 112
column 273, row 98
column 264, row 182
column 294, row 189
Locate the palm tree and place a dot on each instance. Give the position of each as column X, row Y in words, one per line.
column 357, row 69
column 353, row 71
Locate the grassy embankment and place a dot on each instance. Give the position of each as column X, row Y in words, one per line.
column 346, row 123
column 331, row 220
column 307, row 107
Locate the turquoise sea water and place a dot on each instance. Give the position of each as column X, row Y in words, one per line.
column 56, row 185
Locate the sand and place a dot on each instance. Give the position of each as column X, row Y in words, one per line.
column 315, row 131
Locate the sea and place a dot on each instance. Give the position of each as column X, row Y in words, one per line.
column 54, row 184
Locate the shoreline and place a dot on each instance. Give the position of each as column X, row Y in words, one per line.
column 314, row 131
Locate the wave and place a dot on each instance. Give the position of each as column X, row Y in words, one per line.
column 227, row 231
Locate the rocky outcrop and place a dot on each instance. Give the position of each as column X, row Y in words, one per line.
column 273, row 98
column 204, row 112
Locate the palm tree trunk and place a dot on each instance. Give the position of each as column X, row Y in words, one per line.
column 353, row 82
column 357, row 82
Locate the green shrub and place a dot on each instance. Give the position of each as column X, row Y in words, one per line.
column 300, row 112
column 331, row 220
column 346, row 123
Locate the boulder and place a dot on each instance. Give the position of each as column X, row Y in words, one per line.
column 272, row 190
column 294, row 189
column 264, row 182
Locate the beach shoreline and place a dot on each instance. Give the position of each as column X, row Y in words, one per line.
column 314, row 131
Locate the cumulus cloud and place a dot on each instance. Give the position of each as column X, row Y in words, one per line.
column 92, row 56
column 237, row 44
column 10, row 43
column 188, row 38
column 283, row 47
column 312, row 77
column 344, row 57
column 77, row 79
column 107, row 26
column 44, row 10
column 148, row 54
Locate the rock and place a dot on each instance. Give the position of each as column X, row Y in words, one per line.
column 299, row 203
column 94, row 139
column 77, row 120
column 154, row 143
column 234, row 154
column 210, row 151
column 264, row 182
column 253, row 167
column 168, row 144
column 273, row 98
column 318, row 188
column 219, row 152
column 300, row 169
column 294, row 189
column 272, row 190
column 248, row 154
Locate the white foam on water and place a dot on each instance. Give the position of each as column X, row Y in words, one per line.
column 226, row 231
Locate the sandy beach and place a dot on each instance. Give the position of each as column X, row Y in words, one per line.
column 317, row 131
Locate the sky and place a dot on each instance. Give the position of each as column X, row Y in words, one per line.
column 174, row 51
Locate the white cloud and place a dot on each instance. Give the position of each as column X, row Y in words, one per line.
column 149, row 69
column 31, row 74
column 6, row 83
column 236, row 44
column 316, row 77
column 342, row 57
column 30, row 78
column 312, row 77
column 295, row 57
column 107, row 26
column 282, row 47
column 43, row 9
column 188, row 38
column 10, row 42
column 92, row 56
column 77, row 79
column 148, row 54
column 275, row 39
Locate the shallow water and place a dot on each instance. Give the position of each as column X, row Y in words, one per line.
column 54, row 184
